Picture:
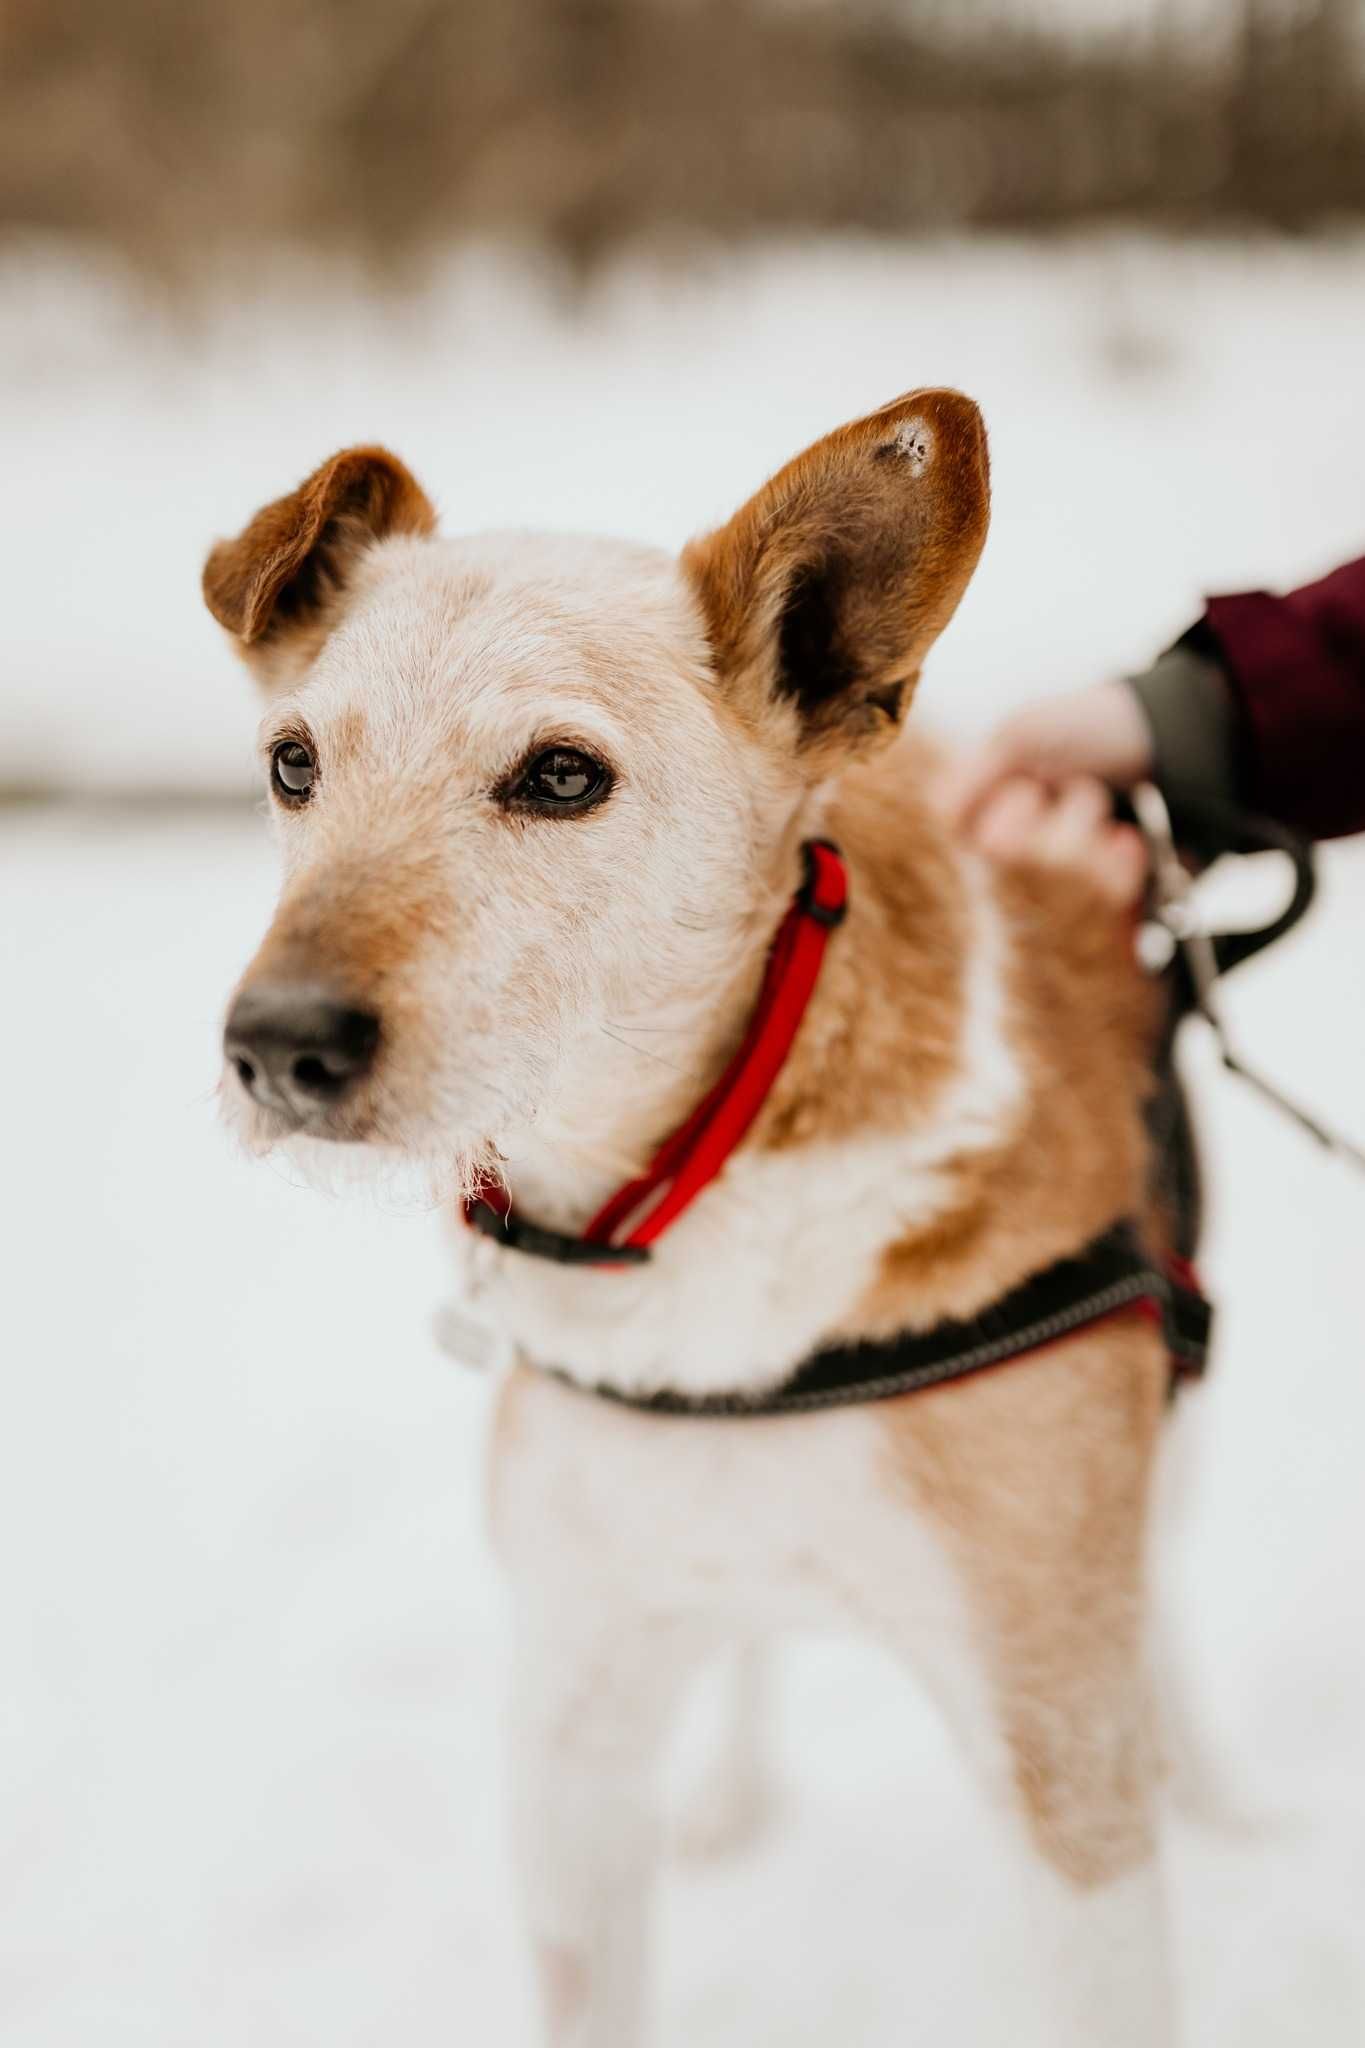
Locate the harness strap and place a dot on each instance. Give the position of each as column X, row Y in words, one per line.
column 1112, row 1274
column 694, row 1154
column 1198, row 958
column 1213, row 828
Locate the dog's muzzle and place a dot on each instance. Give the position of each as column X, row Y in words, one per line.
column 297, row 1049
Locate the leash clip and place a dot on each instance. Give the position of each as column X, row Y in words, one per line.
column 1172, row 929
column 1173, row 924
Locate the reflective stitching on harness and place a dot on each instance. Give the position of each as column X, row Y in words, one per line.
column 1144, row 1283
column 1139, row 1287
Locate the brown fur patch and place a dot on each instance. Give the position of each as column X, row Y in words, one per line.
column 828, row 587
column 1084, row 1022
column 357, row 933
column 882, row 1035
column 1038, row 1475
column 347, row 736
column 353, row 928
column 279, row 577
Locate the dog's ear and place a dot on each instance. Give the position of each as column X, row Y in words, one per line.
column 825, row 591
column 276, row 586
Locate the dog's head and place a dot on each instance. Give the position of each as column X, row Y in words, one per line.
column 526, row 784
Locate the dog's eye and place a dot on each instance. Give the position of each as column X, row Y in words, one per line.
column 562, row 779
column 293, row 772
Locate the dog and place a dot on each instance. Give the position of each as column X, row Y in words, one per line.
column 542, row 804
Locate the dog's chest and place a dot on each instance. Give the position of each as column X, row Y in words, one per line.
column 775, row 1256
column 768, row 1264
column 745, row 1524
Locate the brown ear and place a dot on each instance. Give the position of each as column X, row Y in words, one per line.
column 826, row 590
column 275, row 586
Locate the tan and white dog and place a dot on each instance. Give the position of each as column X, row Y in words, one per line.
column 541, row 803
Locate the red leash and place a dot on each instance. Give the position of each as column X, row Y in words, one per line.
column 690, row 1159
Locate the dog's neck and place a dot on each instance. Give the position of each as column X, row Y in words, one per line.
column 638, row 1071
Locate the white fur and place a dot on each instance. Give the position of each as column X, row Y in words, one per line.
column 638, row 1548
column 915, row 440
column 749, row 1281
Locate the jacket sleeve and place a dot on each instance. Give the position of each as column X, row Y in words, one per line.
column 1295, row 670
column 1193, row 723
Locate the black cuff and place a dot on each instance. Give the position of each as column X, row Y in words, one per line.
column 1189, row 708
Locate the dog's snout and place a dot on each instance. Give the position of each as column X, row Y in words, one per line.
column 298, row 1048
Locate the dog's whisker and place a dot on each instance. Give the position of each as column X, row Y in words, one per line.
column 659, row 1030
column 646, row 1052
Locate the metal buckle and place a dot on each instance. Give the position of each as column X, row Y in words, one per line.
column 829, row 914
column 1173, row 925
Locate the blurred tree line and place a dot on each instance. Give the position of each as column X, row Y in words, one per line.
column 176, row 132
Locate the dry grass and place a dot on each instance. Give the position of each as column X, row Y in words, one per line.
column 175, row 133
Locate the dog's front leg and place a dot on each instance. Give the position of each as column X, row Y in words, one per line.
column 1053, row 1723
column 734, row 1798
column 591, row 1707
column 1033, row 1487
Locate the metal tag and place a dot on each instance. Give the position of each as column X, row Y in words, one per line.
column 470, row 1340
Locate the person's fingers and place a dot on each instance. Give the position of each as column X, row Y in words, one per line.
column 1022, row 821
column 1121, row 865
column 1073, row 820
column 1037, row 743
column 1098, row 731
column 1077, row 831
column 1007, row 822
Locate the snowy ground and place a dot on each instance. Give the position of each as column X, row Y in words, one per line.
column 252, row 1663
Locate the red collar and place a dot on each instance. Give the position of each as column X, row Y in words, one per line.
column 691, row 1158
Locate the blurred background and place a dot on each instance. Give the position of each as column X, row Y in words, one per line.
column 602, row 264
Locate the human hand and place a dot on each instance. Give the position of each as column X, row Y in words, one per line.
column 1067, row 825
column 1098, row 731
column 1038, row 788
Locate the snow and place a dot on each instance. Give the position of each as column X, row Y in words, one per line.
column 252, row 1665
column 1165, row 419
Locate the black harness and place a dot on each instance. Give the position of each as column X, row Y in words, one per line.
column 1115, row 1273
column 1112, row 1274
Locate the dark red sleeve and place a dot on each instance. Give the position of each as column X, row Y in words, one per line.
column 1296, row 667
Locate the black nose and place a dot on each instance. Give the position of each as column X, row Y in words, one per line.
column 296, row 1048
